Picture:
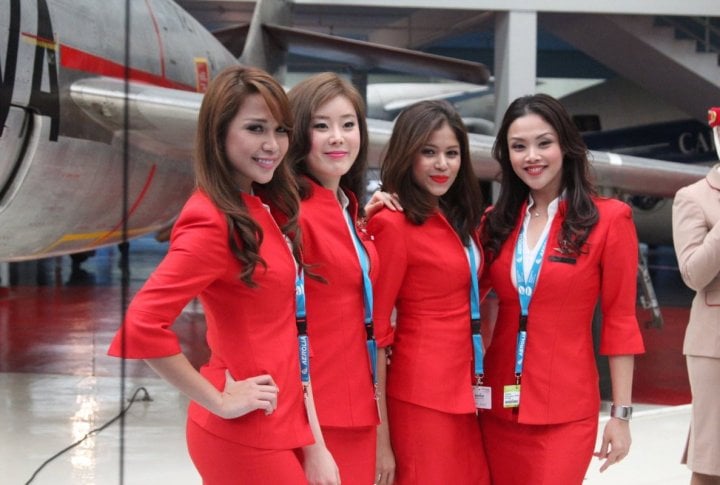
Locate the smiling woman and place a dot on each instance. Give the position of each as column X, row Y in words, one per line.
column 228, row 250
column 328, row 153
column 429, row 262
column 554, row 250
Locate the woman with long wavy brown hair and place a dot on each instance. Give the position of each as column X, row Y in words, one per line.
column 247, row 421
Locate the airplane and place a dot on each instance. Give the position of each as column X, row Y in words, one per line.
column 86, row 117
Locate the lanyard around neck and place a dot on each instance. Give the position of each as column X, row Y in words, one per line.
column 525, row 290
column 475, row 313
column 367, row 297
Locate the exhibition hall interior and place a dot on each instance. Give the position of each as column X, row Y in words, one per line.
column 99, row 104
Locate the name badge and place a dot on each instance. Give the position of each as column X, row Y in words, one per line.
column 511, row 396
column 482, row 395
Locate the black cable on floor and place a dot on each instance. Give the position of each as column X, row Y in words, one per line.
column 132, row 401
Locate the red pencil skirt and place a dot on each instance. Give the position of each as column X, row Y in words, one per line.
column 433, row 447
column 354, row 452
column 519, row 454
column 223, row 462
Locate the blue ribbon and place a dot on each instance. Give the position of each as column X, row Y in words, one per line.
column 367, row 297
column 525, row 293
column 301, row 321
column 475, row 312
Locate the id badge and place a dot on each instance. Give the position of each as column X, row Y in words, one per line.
column 511, row 396
column 482, row 396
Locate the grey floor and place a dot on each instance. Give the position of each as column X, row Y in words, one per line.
column 42, row 414
column 57, row 384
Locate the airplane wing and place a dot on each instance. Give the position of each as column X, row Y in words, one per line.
column 622, row 173
column 366, row 55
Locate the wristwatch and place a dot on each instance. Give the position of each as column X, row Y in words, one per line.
column 621, row 412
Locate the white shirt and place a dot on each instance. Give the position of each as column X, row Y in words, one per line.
column 529, row 254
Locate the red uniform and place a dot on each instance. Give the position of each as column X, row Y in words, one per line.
column 340, row 366
column 250, row 331
column 559, row 378
column 425, row 275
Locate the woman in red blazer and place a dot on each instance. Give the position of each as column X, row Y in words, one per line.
column 427, row 254
column 329, row 156
column 246, row 421
column 554, row 250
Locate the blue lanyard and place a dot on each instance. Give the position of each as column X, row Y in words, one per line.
column 475, row 313
column 367, row 297
column 525, row 293
column 301, row 321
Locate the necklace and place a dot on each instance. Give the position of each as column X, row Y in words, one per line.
column 536, row 213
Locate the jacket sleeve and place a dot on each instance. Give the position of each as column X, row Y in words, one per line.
column 392, row 253
column 618, row 293
column 697, row 246
column 198, row 255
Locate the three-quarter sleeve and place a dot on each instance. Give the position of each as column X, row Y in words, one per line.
column 197, row 256
column 392, row 254
column 620, row 331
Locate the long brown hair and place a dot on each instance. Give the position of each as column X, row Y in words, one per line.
column 581, row 214
column 462, row 203
column 305, row 98
column 214, row 172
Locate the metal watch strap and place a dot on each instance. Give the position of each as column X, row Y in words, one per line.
column 621, row 412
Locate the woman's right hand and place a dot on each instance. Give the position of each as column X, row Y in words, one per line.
column 239, row 398
column 381, row 199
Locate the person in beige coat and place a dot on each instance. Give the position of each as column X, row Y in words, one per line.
column 696, row 236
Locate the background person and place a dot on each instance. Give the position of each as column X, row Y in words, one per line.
column 696, row 236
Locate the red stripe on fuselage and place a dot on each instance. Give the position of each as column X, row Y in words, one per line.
column 135, row 205
column 71, row 58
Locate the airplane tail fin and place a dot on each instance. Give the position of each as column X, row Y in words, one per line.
column 260, row 49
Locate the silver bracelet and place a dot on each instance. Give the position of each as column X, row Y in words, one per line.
column 621, row 412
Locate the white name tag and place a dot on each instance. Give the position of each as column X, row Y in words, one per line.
column 482, row 396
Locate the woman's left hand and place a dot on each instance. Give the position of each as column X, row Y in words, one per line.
column 615, row 442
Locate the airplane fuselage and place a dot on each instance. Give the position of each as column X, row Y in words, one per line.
column 62, row 162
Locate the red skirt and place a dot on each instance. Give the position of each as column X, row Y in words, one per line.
column 223, row 462
column 434, row 447
column 354, row 451
column 519, row 454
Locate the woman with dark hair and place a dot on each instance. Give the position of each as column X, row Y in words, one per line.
column 554, row 248
column 329, row 156
column 429, row 263
column 227, row 249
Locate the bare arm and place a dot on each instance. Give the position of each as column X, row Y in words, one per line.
column 616, row 435
column 319, row 465
column 237, row 398
column 385, row 466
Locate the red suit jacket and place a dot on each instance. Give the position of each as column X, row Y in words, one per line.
column 340, row 366
column 250, row 331
column 424, row 272
column 560, row 379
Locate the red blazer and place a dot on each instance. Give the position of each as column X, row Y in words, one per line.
column 424, row 272
column 340, row 366
column 250, row 331
column 560, row 380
